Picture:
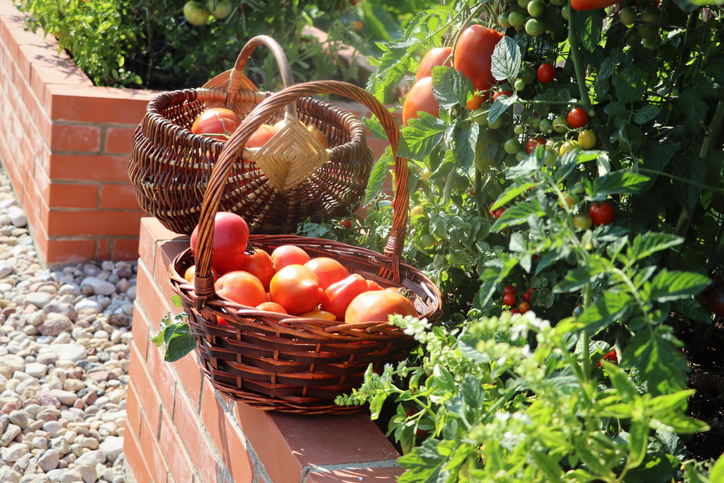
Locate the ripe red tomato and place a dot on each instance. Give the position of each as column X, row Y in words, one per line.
column 473, row 54
column 288, row 255
column 217, row 122
column 271, row 307
column 337, row 297
column 527, row 295
column 190, row 274
column 328, row 270
column 577, row 117
column 261, row 136
column 435, row 57
column 507, row 93
column 533, row 143
column 377, row 305
column 420, row 98
column 546, row 73
column 241, row 287
column 260, row 265
column 591, row 4
column 296, row 288
column 510, row 289
column 509, row 299
column 231, row 234
column 372, row 285
column 601, row 213
column 523, row 307
column 346, row 224
column 716, row 301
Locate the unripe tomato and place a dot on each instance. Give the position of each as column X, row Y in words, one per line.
column 438, row 56
column 587, row 139
column 546, row 73
column 519, row 84
column 564, row 12
column 546, row 126
column 416, row 210
column 568, row 146
column 601, row 213
column 220, row 9
column 511, row 146
column 519, row 129
column 195, row 14
column 565, row 200
column 495, row 124
column 533, row 143
column 536, row 8
column 503, row 20
column 627, row 16
column 549, row 157
column 420, row 98
column 582, row 221
column 560, row 124
column 577, row 117
column 426, row 173
column 534, row 27
column 516, row 19
column 473, row 57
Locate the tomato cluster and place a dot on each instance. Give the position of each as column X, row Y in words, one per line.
column 289, row 281
column 510, row 299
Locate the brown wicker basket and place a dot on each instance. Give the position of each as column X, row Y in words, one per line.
column 289, row 179
column 287, row 363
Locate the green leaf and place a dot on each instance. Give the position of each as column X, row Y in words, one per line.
column 472, row 391
column 176, row 301
column 638, row 442
column 421, row 136
column 443, row 378
column 695, row 108
column 617, row 182
column 677, row 423
column 506, row 60
column 575, row 279
column 549, row 465
column 496, row 270
column 588, row 24
column 605, row 311
column 644, row 58
column 518, row 214
column 717, row 471
column 375, row 128
column 646, row 244
column 658, row 359
column 519, row 187
column 646, row 113
column 501, row 104
column 692, row 170
column 450, row 87
column 378, row 176
column 464, row 146
column 179, row 341
column 668, row 286
column 629, row 85
column 621, row 381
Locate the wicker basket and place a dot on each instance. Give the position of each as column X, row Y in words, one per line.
column 291, row 178
column 287, row 363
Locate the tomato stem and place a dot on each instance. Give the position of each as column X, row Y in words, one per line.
column 585, row 337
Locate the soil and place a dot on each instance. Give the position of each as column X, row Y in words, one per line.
column 704, row 351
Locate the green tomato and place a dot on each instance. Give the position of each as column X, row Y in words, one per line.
column 652, row 15
column 523, row 3
column 582, row 221
column 195, row 14
column 482, row 163
column 560, row 124
column 495, row 125
column 220, row 9
column 519, row 85
column 649, row 32
column 503, row 20
column 535, row 122
column 534, row 27
column 549, row 157
column 649, row 43
column 520, row 155
column 427, row 240
column 633, row 38
column 564, row 12
column 518, row 129
column 546, row 126
column 558, row 2
column 536, row 8
column 627, row 16
column 511, row 146
column 516, row 19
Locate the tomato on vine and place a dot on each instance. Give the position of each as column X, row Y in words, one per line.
column 534, row 27
column 577, row 117
column 601, row 213
column 511, row 146
column 473, row 55
column 582, row 221
column 587, row 139
column 516, row 19
column 532, row 143
column 546, row 72
column 509, row 299
column 438, row 56
column 416, row 210
column 420, row 98
column 523, row 307
column 346, row 224
column 510, row 289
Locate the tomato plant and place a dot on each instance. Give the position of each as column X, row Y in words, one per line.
column 434, row 57
column 601, row 213
column 472, row 56
column 420, row 99
column 577, row 117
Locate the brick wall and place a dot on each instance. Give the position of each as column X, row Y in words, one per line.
column 181, row 430
column 65, row 146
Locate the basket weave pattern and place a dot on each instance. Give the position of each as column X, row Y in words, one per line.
column 170, row 166
column 286, row 363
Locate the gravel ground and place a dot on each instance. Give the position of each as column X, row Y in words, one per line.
column 64, row 347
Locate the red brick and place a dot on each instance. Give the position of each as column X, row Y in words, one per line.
column 119, row 197
column 165, row 254
column 146, row 389
column 73, row 195
column 94, row 223
column 152, row 231
column 119, row 140
column 161, row 375
column 88, row 167
column 97, row 105
column 135, row 457
column 184, row 419
column 153, row 453
column 364, row 475
column 150, row 296
column 70, row 251
column 133, row 408
column 125, row 249
column 103, row 249
column 190, row 375
column 78, row 138
column 228, row 440
column 176, row 454
column 140, row 329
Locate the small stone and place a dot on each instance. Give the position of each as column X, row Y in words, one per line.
column 47, row 358
column 10, row 433
column 17, row 216
column 11, row 363
column 8, row 475
column 71, row 476
column 5, row 269
column 34, row 318
column 52, row 428
column 40, row 443
column 88, row 306
column 88, row 474
column 112, row 447
column 47, row 399
column 91, row 458
column 13, row 453
column 39, row 299
column 19, row 418
column 54, row 324
column 73, row 385
column 98, row 286
column 36, row 369
column 61, row 308
column 65, row 397
column 69, row 352
column 49, row 460
column 33, row 478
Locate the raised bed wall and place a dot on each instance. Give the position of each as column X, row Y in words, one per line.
column 65, row 144
column 181, row 430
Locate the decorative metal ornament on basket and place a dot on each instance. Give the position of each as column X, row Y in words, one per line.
column 286, row 363
column 275, row 187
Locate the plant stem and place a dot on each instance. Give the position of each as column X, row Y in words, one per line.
column 682, row 180
column 583, row 91
column 585, row 336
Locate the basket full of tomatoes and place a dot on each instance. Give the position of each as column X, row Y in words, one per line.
column 285, row 322
column 310, row 160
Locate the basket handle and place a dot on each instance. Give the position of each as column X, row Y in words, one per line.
column 236, row 79
column 204, row 282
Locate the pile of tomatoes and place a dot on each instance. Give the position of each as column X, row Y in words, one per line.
column 289, row 281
